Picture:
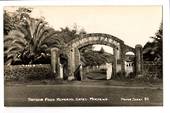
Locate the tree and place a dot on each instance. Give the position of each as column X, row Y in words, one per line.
column 67, row 34
column 101, row 51
column 8, row 26
column 31, row 42
column 89, row 57
column 152, row 51
column 12, row 19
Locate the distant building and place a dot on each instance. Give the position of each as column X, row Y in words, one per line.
column 129, row 64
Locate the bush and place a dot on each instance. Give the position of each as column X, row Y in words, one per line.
column 27, row 72
column 120, row 75
column 152, row 77
column 131, row 75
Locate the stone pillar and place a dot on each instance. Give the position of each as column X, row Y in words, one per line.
column 122, row 57
column 76, row 58
column 71, row 63
column 114, row 65
column 109, row 71
column 74, row 62
column 55, row 62
column 138, row 61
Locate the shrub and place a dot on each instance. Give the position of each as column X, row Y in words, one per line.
column 27, row 72
column 120, row 75
column 131, row 75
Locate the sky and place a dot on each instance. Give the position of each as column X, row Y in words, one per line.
column 132, row 24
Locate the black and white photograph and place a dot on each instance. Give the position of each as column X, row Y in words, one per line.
column 70, row 56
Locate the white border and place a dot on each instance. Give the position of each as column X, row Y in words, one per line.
column 166, row 26
column 83, row 2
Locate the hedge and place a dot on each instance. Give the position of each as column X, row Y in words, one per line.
column 27, row 72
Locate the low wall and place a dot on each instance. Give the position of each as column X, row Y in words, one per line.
column 27, row 72
column 152, row 69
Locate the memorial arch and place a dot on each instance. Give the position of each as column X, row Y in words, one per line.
column 72, row 52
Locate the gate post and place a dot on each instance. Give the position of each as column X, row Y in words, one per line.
column 71, row 63
column 55, row 62
column 74, row 62
column 138, row 61
column 114, row 64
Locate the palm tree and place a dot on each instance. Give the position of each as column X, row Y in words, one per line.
column 31, row 42
column 14, row 44
column 7, row 23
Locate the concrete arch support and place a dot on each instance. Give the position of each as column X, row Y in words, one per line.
column 71, row 62
column 114, row 65
column 139, row 61
column 55, row 62
column 119, row 49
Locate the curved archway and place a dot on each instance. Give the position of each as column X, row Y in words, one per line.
column 72, row 50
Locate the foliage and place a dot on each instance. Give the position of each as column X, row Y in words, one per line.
column 152, row 51
column 101, row 51
column 91, row 58
column 30, row 42
column 67, row 34
column 152, row 70
column 27, row 72
column 131, row 75
column 120, row 75
column 12, row 19
column 8, row 26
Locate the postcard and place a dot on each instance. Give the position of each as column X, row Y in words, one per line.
column 83, row 55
